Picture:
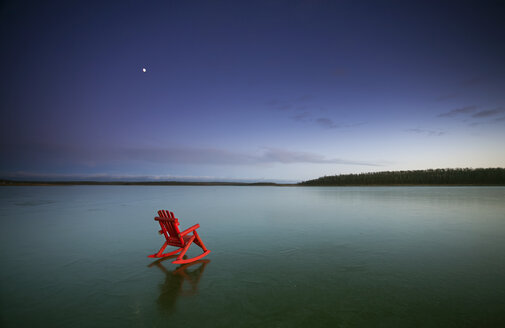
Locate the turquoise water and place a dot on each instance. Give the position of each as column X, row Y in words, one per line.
column 75, row 256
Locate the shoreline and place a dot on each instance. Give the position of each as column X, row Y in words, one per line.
column 217, row 183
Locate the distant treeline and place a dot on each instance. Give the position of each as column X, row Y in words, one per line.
column 131, row 183
column 489, row 176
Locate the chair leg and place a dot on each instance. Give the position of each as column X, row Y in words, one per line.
column 185, row 249
column 160, row 252
column 199, row 241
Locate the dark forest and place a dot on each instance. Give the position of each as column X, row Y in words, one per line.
column 463, row 176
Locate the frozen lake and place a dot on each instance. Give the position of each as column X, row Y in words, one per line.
column 76, row 256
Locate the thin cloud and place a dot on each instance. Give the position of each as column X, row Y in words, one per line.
column 446, row 96
column 302, row 117
column 492, row 121
column 279, row 104
column 289, row 157
column 50, row 153
column 305, row 98
column 426, row 132
column 302, row 112
column 273, row 102
column 474, row 81
column 459, row 111
column 322, row 122
column 284, row 107
column 326, row 123
column 290, row 104
column 187, row 156
column 488, row 113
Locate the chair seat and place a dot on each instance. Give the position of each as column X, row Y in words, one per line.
column 172, row 241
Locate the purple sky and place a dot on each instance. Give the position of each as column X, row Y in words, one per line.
column 260, row 90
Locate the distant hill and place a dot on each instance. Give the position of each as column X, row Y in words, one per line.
column 489, row 176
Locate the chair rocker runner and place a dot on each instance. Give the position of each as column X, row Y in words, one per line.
column 170, row 228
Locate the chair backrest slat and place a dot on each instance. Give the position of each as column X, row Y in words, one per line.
column 171, row 225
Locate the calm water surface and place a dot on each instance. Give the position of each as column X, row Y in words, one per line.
column 75, row 256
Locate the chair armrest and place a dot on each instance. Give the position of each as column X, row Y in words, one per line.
column 188, row 230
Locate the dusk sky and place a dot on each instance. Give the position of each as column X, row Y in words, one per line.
column 249, row 90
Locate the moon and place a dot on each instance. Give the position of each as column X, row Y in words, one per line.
column 144, row 70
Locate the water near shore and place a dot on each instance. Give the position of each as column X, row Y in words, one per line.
column 75, row 256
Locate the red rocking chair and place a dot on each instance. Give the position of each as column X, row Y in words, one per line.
column 170, row 228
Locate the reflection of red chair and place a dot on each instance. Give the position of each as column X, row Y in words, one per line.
column 181, row 282
column 170, row 228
